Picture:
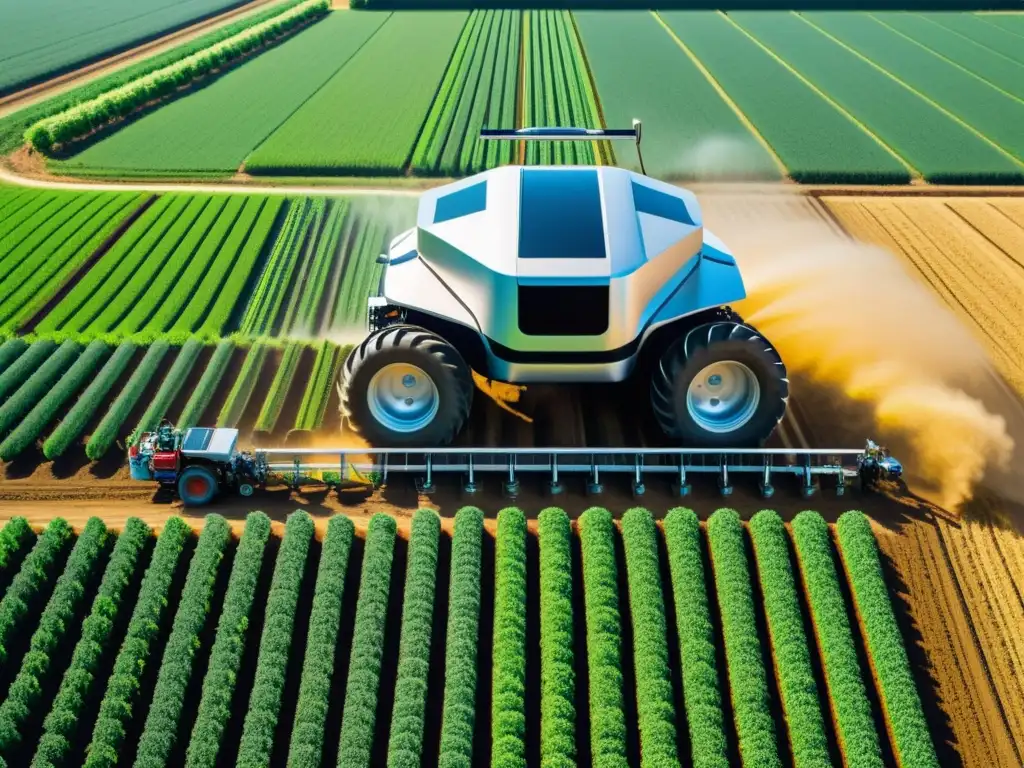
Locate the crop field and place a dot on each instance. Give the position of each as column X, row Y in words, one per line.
column 455, row 641
column 816, row 97
column 53, row 36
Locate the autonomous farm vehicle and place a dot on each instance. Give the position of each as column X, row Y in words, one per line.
column 541, row 274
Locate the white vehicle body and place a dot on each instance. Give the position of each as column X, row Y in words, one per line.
column 555, row 292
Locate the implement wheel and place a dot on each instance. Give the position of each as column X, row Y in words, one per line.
column 197, row 486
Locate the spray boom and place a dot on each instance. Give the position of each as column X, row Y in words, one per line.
column 567, row 134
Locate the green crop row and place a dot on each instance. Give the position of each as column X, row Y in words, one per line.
column 655, row 709
column 242, row 389
column 79, row 682
column 27, row 364
column 101, row 284
column 156, row 277
column 360, row 276
column 56, row 218
column 790, row 648
column 748, row 679
column 604, row 629
column 885, row 643
column 110, row 425
column 15, row 537
column 57, row 620
column 309, row 255
column 70, row 428
column 268, row 295
column 13, row 127
column 307, row 741
column 33, row 579
column 280, row 386
column 37, row 385
column 169, row 388
column 228, row 645
column 28, row 287
column 701, row 693
column 558, row 675
column 178, row 281
column 116, row 709
column 460, row 671
column 321, row 383
column 119, row 102
column 361, row 689
column 47, row 405
column 405, row 746
column 227, row 277
column 10, row 351
column 201, row 396
column 275, row 643
column 508, row 687
column 161, row 726
column 851, row 710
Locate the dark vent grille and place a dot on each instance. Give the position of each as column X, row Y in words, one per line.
column 563, row 310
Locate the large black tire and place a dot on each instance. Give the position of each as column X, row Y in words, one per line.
column 413, row 346
column 726, row 341
column 197, row 486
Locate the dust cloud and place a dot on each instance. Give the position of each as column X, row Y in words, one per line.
column 878, row 346
column 725, row 158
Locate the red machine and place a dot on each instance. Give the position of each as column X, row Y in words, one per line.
column 197, row 464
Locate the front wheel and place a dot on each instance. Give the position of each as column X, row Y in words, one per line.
column 723, row 385
column 406, row 387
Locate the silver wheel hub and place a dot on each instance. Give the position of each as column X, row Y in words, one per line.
column 723, row 396
column 402, row 397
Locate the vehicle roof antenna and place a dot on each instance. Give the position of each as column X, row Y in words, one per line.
column 567, row 134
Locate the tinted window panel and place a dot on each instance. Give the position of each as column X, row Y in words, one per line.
column 197, row 439
column 455, row 205
column 647, row 200
column 563, row 310
column 560, row 215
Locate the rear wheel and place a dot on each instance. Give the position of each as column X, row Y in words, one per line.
column 405, row 386
column 197, row 486
column 722, row 385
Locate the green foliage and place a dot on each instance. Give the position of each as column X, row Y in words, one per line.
column 376, row 138
column 32, row 581
column 57, row 620
column 71, row 427
column 321, row 384
column 508, row 687
column 604, row 629
column 558, row 676
column 748, row 679
column 47, row 406
column 941, row 148
column 789, row 641
column 201, row 396
column 460, row 672
column 360, row 713
column 10, row 351
column 405, row 747
column 63, row 721
column 275, row 643
column 241, row 391
column 360, row 276
column 83, row 118
column 15, row 537
column 852, row 711
column 828, row 147
column 269, row 294
column 655, row 709
column 307, row 742
column 116, row 709
column 885, row 643
column 21, row 369
column 228, row 646
column 176, row 669
column 37, row 385
column 280, row 386
column 169, row 388
column 109, row 427
column 701, row 693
